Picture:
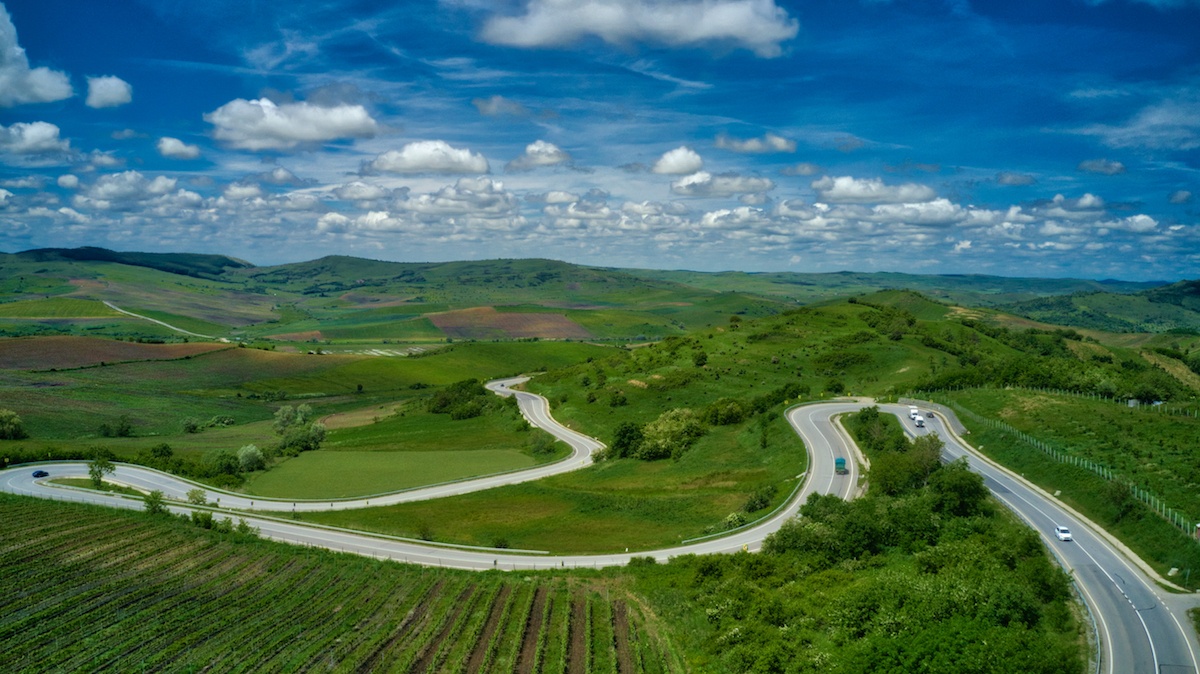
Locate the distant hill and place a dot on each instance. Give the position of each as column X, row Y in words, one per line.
column 187, row 264
column 1174, row 307
column 973, row 290
column 347, row 300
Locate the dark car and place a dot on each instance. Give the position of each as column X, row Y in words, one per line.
column 40, row 473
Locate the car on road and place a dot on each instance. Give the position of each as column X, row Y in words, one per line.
column 40, row 473
column 1062, row 533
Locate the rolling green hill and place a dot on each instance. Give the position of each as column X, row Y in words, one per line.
column 345, row 302
column 1174, row 307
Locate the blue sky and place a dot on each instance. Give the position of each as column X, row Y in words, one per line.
column 1018, row 138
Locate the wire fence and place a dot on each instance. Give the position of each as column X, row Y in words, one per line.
column 1155, row 502
column 1172, row 409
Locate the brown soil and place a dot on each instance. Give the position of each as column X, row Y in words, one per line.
column 485, row 637
column 577, row 654
column 414, row 617
column 298, row 336
column 533, row 629
column 60, row 352
column 487, row 323
column 620, row 619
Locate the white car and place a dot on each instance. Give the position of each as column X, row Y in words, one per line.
column 1062, row 533
column 913, row 413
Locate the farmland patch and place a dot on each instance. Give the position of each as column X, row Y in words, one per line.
column 487, row 323
column 62, row 352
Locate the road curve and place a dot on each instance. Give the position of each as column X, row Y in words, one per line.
column 813, row 423
column 1138, row 631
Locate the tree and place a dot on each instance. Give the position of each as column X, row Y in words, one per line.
column 670, row 435
column 250, row 458
column 98, row 468
column 11, row 426
column 197, row 496
column 626, row 438
column 699, row 359
column 155, row 504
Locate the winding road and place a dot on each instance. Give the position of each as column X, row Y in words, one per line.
column 1140, row 627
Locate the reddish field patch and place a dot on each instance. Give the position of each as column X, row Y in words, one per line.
column 299, row 336
column 487, row 323
column 43, row 353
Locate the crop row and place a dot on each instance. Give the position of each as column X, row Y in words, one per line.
column 93, row 589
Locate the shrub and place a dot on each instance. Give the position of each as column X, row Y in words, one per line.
column 11, row 426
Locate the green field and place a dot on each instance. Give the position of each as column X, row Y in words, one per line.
column 326, row 475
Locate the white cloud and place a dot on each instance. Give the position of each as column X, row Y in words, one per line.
column 1138, row 224
column 68, row 181
column 108, row 92
column 32, row 138
column 499, row 105
column 360, row 191
column 333, row 222
column 5, row 195
column 18, row 82
column 1101, row 166
column 428, row 156
column 538, row 153
column 125, row 190
column 704, row 184
column 1172, row 124
column 758, row 25
column 1011, row 179
column 480, row 197
column 241, row 191
column 769, row 143
column 936, row 212
column 802, row 169
column 682, row 160
column 1180, row 197
column 849, row 190
column 173, row 148
column 263, row 125
column 104, row 159
column 963, row 245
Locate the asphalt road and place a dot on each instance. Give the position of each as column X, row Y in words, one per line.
column 1139, row 630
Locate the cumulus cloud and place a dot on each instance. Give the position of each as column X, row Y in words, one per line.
column 428, row 156
column 129, row 190
column 499, row 105
column 704, row 184
column 263, row 125
column 538, row 153
column 1101, row 166
column 682, row 160
column 108, row 92
column 31, row 141
column 1180, row 197
column 758, row 25
column 361, row 191
column 173, row 148
column 849, row 190
column 68, row 181
column 1010, row 179
column 19, row 83
column 241, row 191
column 768, row 143
column 936, row 212
column 802, row 169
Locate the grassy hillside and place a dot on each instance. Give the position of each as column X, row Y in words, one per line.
column 965, row 289
column 1175, row 307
